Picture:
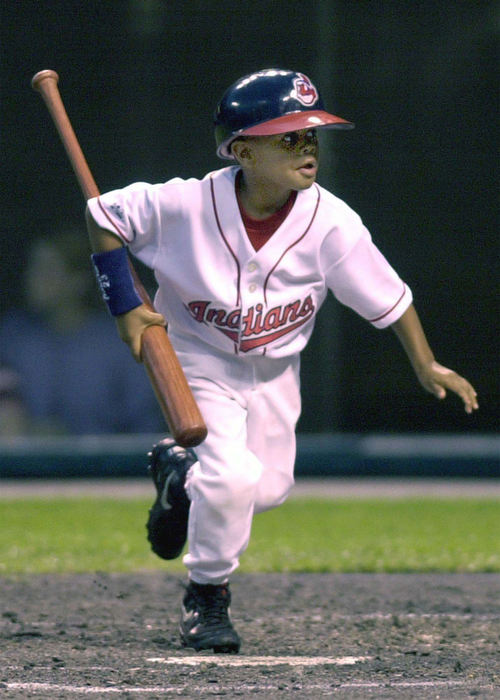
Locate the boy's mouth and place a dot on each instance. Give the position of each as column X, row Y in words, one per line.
column 309, row 167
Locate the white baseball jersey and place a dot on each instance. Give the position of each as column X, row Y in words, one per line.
column 238, row 319
column 214, row 287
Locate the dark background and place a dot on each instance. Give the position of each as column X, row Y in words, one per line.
column 140, row 79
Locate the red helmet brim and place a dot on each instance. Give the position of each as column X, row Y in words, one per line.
column 295, row 121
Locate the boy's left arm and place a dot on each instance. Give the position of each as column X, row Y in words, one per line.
column 434, row 377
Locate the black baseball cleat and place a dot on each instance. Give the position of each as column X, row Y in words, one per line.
column 168, row 517
column 206, row 621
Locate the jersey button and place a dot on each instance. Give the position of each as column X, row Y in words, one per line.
column 252, row 287
column 251, row 267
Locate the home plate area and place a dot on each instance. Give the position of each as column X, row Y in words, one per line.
column 303, row 635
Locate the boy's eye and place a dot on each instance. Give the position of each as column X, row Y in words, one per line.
column 291, row 139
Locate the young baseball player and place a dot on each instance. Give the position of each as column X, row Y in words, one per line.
column 244, row 259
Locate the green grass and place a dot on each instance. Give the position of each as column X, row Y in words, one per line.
column 66, row 535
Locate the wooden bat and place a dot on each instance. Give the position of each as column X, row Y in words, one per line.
column 162, row 365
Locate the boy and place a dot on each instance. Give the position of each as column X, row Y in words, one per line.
column 244, row 258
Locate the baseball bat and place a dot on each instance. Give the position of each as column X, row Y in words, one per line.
column 162, row 365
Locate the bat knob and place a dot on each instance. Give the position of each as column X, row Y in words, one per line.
column 43, row 75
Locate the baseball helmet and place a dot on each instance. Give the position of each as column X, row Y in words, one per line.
column 271, row 101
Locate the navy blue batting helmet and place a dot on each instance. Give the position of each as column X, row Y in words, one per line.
column 271, row 101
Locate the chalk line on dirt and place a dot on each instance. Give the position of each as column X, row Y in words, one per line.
column 258, row 660
column 50, row 688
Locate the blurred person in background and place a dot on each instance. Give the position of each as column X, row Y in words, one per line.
column 13, row 415
column 73, row 375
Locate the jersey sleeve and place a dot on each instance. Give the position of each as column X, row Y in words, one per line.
column 138, row 214
column 361, row 278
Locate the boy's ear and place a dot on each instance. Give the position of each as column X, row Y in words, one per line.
column 241, row 151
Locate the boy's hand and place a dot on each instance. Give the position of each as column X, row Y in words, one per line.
column 132, row 325
column 438, row 379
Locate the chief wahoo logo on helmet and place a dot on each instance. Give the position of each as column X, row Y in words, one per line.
column 305, row 92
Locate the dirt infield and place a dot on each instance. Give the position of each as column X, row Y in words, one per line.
column 304, row 636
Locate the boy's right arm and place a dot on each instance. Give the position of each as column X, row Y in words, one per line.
column 101, row 240
column 131, row 324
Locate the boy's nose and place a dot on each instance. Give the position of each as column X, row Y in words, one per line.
column 308, row 148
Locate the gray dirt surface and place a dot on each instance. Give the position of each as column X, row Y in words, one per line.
column 99, row 635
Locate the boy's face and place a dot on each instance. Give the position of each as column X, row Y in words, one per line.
column 289, row 160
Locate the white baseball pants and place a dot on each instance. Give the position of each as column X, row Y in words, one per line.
column 245, row 466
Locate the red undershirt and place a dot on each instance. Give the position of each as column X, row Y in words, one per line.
column 259, row 231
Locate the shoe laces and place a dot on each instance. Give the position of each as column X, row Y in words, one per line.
column 212, row 602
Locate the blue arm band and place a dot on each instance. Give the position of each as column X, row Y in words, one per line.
column 115, row 281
